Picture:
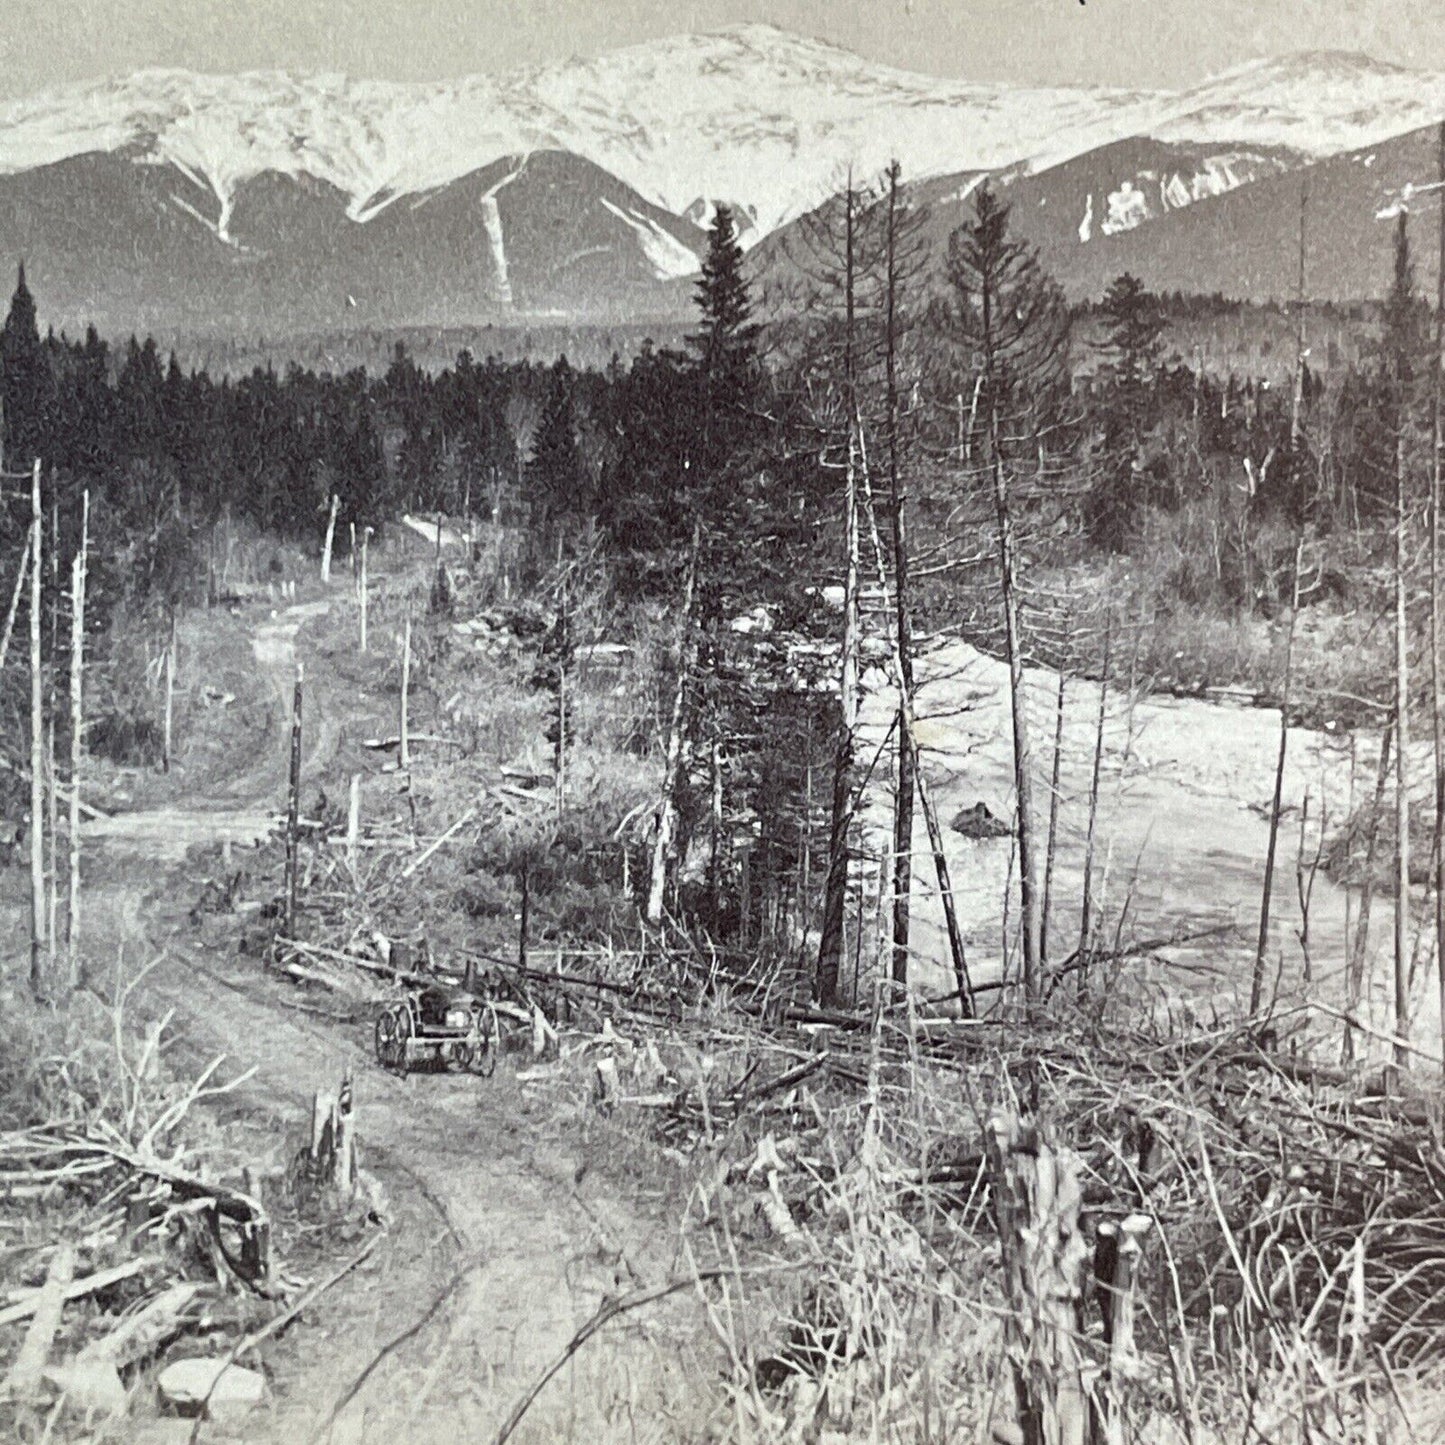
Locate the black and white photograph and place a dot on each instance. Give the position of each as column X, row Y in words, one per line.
column 722, row 724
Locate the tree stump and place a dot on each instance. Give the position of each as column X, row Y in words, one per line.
column 1118, row 1249
column 1036, row 1200
column 330, row 1160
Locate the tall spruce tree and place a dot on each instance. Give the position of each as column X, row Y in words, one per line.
column 25, row 380
column 555, row 477
column 725, row 378
column 726, row 342
column 1132, row 347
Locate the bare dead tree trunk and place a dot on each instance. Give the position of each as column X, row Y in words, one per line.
column 1086, row 924
column 404, row 731
column 1256, row 983
column 1051, row 849
column 1118, row 1250
column 560, row 758
column 293, row 806
column 52, row 782
column 835, row 889
column 14, row 608
column 77, row 733
column 1306, row 874
column 1355, row 979
column 353, row 824
column 1037, row 1199
column 664, row 840
column 903, row 622
column 330, row 538
column 715, row 824
column 559, row 752
column 523, row 919
column 1256, row 986
column 170, row 680
column 1437, row 625
column 365, row 593
column 1022, row 755
column 52, row 828
column 907, row 724
column 805, row 861
column 37, row 748
column 1402, row 768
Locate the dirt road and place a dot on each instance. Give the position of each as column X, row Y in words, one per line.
column 486, row 1176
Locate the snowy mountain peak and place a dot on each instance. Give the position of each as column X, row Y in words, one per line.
column 763, row 118
column 1314, row 102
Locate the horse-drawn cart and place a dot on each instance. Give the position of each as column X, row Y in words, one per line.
column 441, row 1026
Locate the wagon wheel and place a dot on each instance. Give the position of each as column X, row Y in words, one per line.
column 393, row 1029
column 404, row 1032
column 488, row 1041
column 385, row 1038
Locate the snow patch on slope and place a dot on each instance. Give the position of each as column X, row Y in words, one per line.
column 1405, row 198
column 492, row 225
column 1153, row 193
column 1128, row 207
column 667, row 256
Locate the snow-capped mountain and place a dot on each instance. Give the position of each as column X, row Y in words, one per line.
column 1245, row 243
column 276, row 202
column 752, row 115
column 1319, row 103
column 1205, row 195
column 1248, row 125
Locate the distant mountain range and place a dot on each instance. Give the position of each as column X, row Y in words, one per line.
column 273, row 204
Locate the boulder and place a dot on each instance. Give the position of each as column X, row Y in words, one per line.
column 978, row 822
column 224, row 1391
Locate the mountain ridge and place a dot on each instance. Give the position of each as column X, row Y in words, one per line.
column 753, row 116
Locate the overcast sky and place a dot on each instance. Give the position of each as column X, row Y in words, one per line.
column 1118, row 42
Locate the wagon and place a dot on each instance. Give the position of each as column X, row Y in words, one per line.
column 441, row 1026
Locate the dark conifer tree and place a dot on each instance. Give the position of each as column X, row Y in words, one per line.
column 555, row 479
column 91, row 420
column 27, row 381
column 726, row 342
column 1132, row 348
column 139, row 396
column 1133, row 342
column 1403, row 330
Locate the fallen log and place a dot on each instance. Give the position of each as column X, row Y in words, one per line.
column 389, row 745
column 240, row 1208
column 427, row 852
column 29, row 1367
column 74, row 1289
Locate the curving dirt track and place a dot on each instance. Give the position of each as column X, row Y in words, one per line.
column 479, row 1176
